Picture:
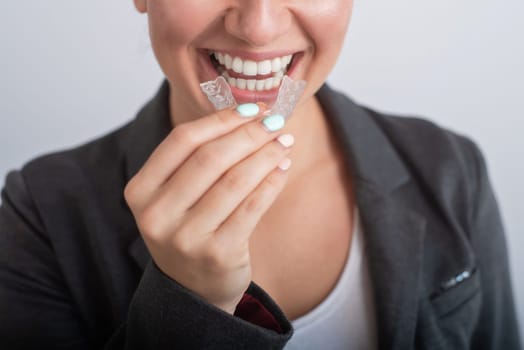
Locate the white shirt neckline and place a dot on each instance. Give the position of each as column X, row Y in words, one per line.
column 345, row 319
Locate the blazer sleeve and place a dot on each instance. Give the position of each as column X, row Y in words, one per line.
column 38, row 312
column 497, row 327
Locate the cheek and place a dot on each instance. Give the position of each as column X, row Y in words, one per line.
column 327, row 30
column 177, row 22
column 330, row 22
column 325, row 23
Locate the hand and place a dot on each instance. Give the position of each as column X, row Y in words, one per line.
column 200, row 195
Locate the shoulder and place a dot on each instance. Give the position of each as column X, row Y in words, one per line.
column 447, row 166
column 97, row 151
column 428, row 144
column 89, row 162
column 109, row 159
column 73, row 180
column 433, row 153
column 418, row 141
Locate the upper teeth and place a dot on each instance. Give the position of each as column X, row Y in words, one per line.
column 253, row 68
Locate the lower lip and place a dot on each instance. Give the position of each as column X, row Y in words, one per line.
column 244, row 96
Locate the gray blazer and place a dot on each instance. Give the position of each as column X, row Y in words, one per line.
column 75, row 273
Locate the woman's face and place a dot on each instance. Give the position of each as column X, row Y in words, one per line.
column 253, row 43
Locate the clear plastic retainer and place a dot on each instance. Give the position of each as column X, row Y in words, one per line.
column 219, row 94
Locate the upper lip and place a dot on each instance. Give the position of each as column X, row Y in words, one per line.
column 255, row 56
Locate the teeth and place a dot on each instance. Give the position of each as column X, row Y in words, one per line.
column 228, row 61
column 220, row 58
column 276, row 82
column 286, row 60
column 268, row 85
column 250, row 68
column 238, row 65
column 260, row 85
column 279, row 75
column 264, row 67
column 241, row 83
column 251, row 84
column 275, row 67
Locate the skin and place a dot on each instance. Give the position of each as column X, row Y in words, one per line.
column 203, row 191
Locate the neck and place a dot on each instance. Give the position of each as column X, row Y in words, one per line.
column 313, row 143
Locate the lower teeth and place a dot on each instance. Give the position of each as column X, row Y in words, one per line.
column 253, row 84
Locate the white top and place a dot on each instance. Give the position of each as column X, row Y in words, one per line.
column 346, row 318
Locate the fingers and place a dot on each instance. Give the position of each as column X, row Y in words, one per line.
column 206, row 166
column 178, row 146
column 201, row 194
column 242, row 222
column 237, row 184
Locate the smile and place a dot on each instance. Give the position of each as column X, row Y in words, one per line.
column 250, row 75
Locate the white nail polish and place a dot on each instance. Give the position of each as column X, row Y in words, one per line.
column 284, row 164
column 286, row 140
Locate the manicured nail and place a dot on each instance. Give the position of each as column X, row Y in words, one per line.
column 247, row 110
column 284, row 164
column 274, row 122
column 286, row 140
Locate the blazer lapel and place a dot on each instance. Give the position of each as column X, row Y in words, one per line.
column 393, row 232
column 394, row 241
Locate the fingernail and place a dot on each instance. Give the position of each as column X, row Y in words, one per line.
column 286, row 140
column 274, row 122
column 248, row 110
column 284, row 164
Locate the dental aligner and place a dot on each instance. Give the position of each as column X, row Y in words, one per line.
column 288, row 96
column 219, row 94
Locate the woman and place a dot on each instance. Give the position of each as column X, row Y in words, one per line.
column 189, row 228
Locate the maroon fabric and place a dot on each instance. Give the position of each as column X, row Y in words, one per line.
column 252, row 310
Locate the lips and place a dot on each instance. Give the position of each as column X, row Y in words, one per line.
column 252, row 77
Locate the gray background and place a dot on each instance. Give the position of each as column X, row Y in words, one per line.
column 71, row 70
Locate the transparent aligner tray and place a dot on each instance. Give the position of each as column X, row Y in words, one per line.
column 219, row 94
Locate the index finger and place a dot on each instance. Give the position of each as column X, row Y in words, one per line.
column 185, row 138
